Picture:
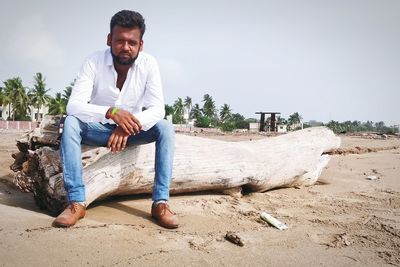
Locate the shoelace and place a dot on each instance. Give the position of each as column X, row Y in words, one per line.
column 164, row 207
column 74, row 207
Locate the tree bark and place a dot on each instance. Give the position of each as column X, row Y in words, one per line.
column 200, row 164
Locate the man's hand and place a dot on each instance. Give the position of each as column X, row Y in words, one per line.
column 117, row 140
column 129, row 123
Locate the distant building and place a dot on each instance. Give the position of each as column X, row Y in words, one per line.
column 281, row 128
column 296, row 126
column 6, row 111
column 254, row 126
column 314, row 123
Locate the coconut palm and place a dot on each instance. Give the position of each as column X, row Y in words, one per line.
column 195, row 112
column 188, row 104
column 209, row 108
column 67, row 92
column 294, row 119
column 282, row 120
column 179, row 110
column 225, row 113
column 57, row 105
column 38, row 95
column 6, row 98
column 2, row 97
column 15, row 95
column 169, row 110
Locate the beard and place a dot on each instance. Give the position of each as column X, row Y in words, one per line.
column 124, row 61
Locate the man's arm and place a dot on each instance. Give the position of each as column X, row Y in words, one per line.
column 153, row 99
column 78, row 104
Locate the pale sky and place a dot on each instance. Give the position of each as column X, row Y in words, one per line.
column 327, row 60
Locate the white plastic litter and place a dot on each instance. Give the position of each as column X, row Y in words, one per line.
column 274, row 222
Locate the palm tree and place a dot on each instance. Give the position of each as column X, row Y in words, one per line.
column 195, row 112
column 6, row 98
column 188, row 104
column 169, row 110
column 38, row 95
column 225, row 113
column 15, row 95
column 209, row 108
column 57, row 105
column 335, row 126
column 2, row 97
column 67, row 91
column 282, row 120
column 179, row 110
column 294, row 119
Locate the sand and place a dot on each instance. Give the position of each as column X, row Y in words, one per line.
column 345, row 219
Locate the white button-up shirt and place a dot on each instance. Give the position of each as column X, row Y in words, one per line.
column 95, row 90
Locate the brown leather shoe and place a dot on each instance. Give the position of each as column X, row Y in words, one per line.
column 164, row 216
column 72, row 213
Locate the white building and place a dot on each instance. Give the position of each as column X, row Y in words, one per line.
column 6, row 109
column 281, row 128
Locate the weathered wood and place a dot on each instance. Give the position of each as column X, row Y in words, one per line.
column 200, row 164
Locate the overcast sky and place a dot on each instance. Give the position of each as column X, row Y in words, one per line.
column 327, row 60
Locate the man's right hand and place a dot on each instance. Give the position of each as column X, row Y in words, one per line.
column 129, row 123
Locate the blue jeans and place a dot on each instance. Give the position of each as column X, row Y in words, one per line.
column 97, row 134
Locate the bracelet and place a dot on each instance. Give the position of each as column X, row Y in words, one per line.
column 114, row 111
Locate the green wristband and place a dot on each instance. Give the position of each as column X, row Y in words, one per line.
column 114, row 111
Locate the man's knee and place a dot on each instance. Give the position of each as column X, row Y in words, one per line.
column 165, row 128
column 72, row 125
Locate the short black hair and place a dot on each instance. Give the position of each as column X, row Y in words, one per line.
column 128, row 19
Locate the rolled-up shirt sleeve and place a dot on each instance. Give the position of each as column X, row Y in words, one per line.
column 79, row 101
column 153, row 99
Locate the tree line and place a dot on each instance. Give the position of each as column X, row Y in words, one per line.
column 20, row 98
column 358, row 126
column 207, row 115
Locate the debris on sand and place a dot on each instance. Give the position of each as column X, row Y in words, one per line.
column 359, row 150
column 273, row 221
column 234, row 238
column 341, row 240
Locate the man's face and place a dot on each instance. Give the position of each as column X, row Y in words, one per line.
column 125, row 44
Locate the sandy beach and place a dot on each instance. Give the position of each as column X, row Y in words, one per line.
column 345, row 219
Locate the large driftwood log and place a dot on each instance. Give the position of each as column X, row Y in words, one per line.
column 200, row 164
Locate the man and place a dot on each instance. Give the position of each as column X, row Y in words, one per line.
column 105, row 109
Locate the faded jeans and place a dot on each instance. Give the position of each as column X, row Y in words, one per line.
column 77, row 132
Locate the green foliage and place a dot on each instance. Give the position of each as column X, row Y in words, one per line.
column 357, row 126
column 195, row 112
column 294, row 121
column 178, row 111
column 38, row 94
column 15, row 95
column 225, row 113
column 209, row 108
column 240, row 121
column 58, row 105
column 202, row 121
column 22, row 117
column 282, row 121
column 169, row 110
column 67, row 91
column 228, row 126
column 188, row 105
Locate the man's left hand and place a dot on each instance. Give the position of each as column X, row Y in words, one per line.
column 117, row 140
